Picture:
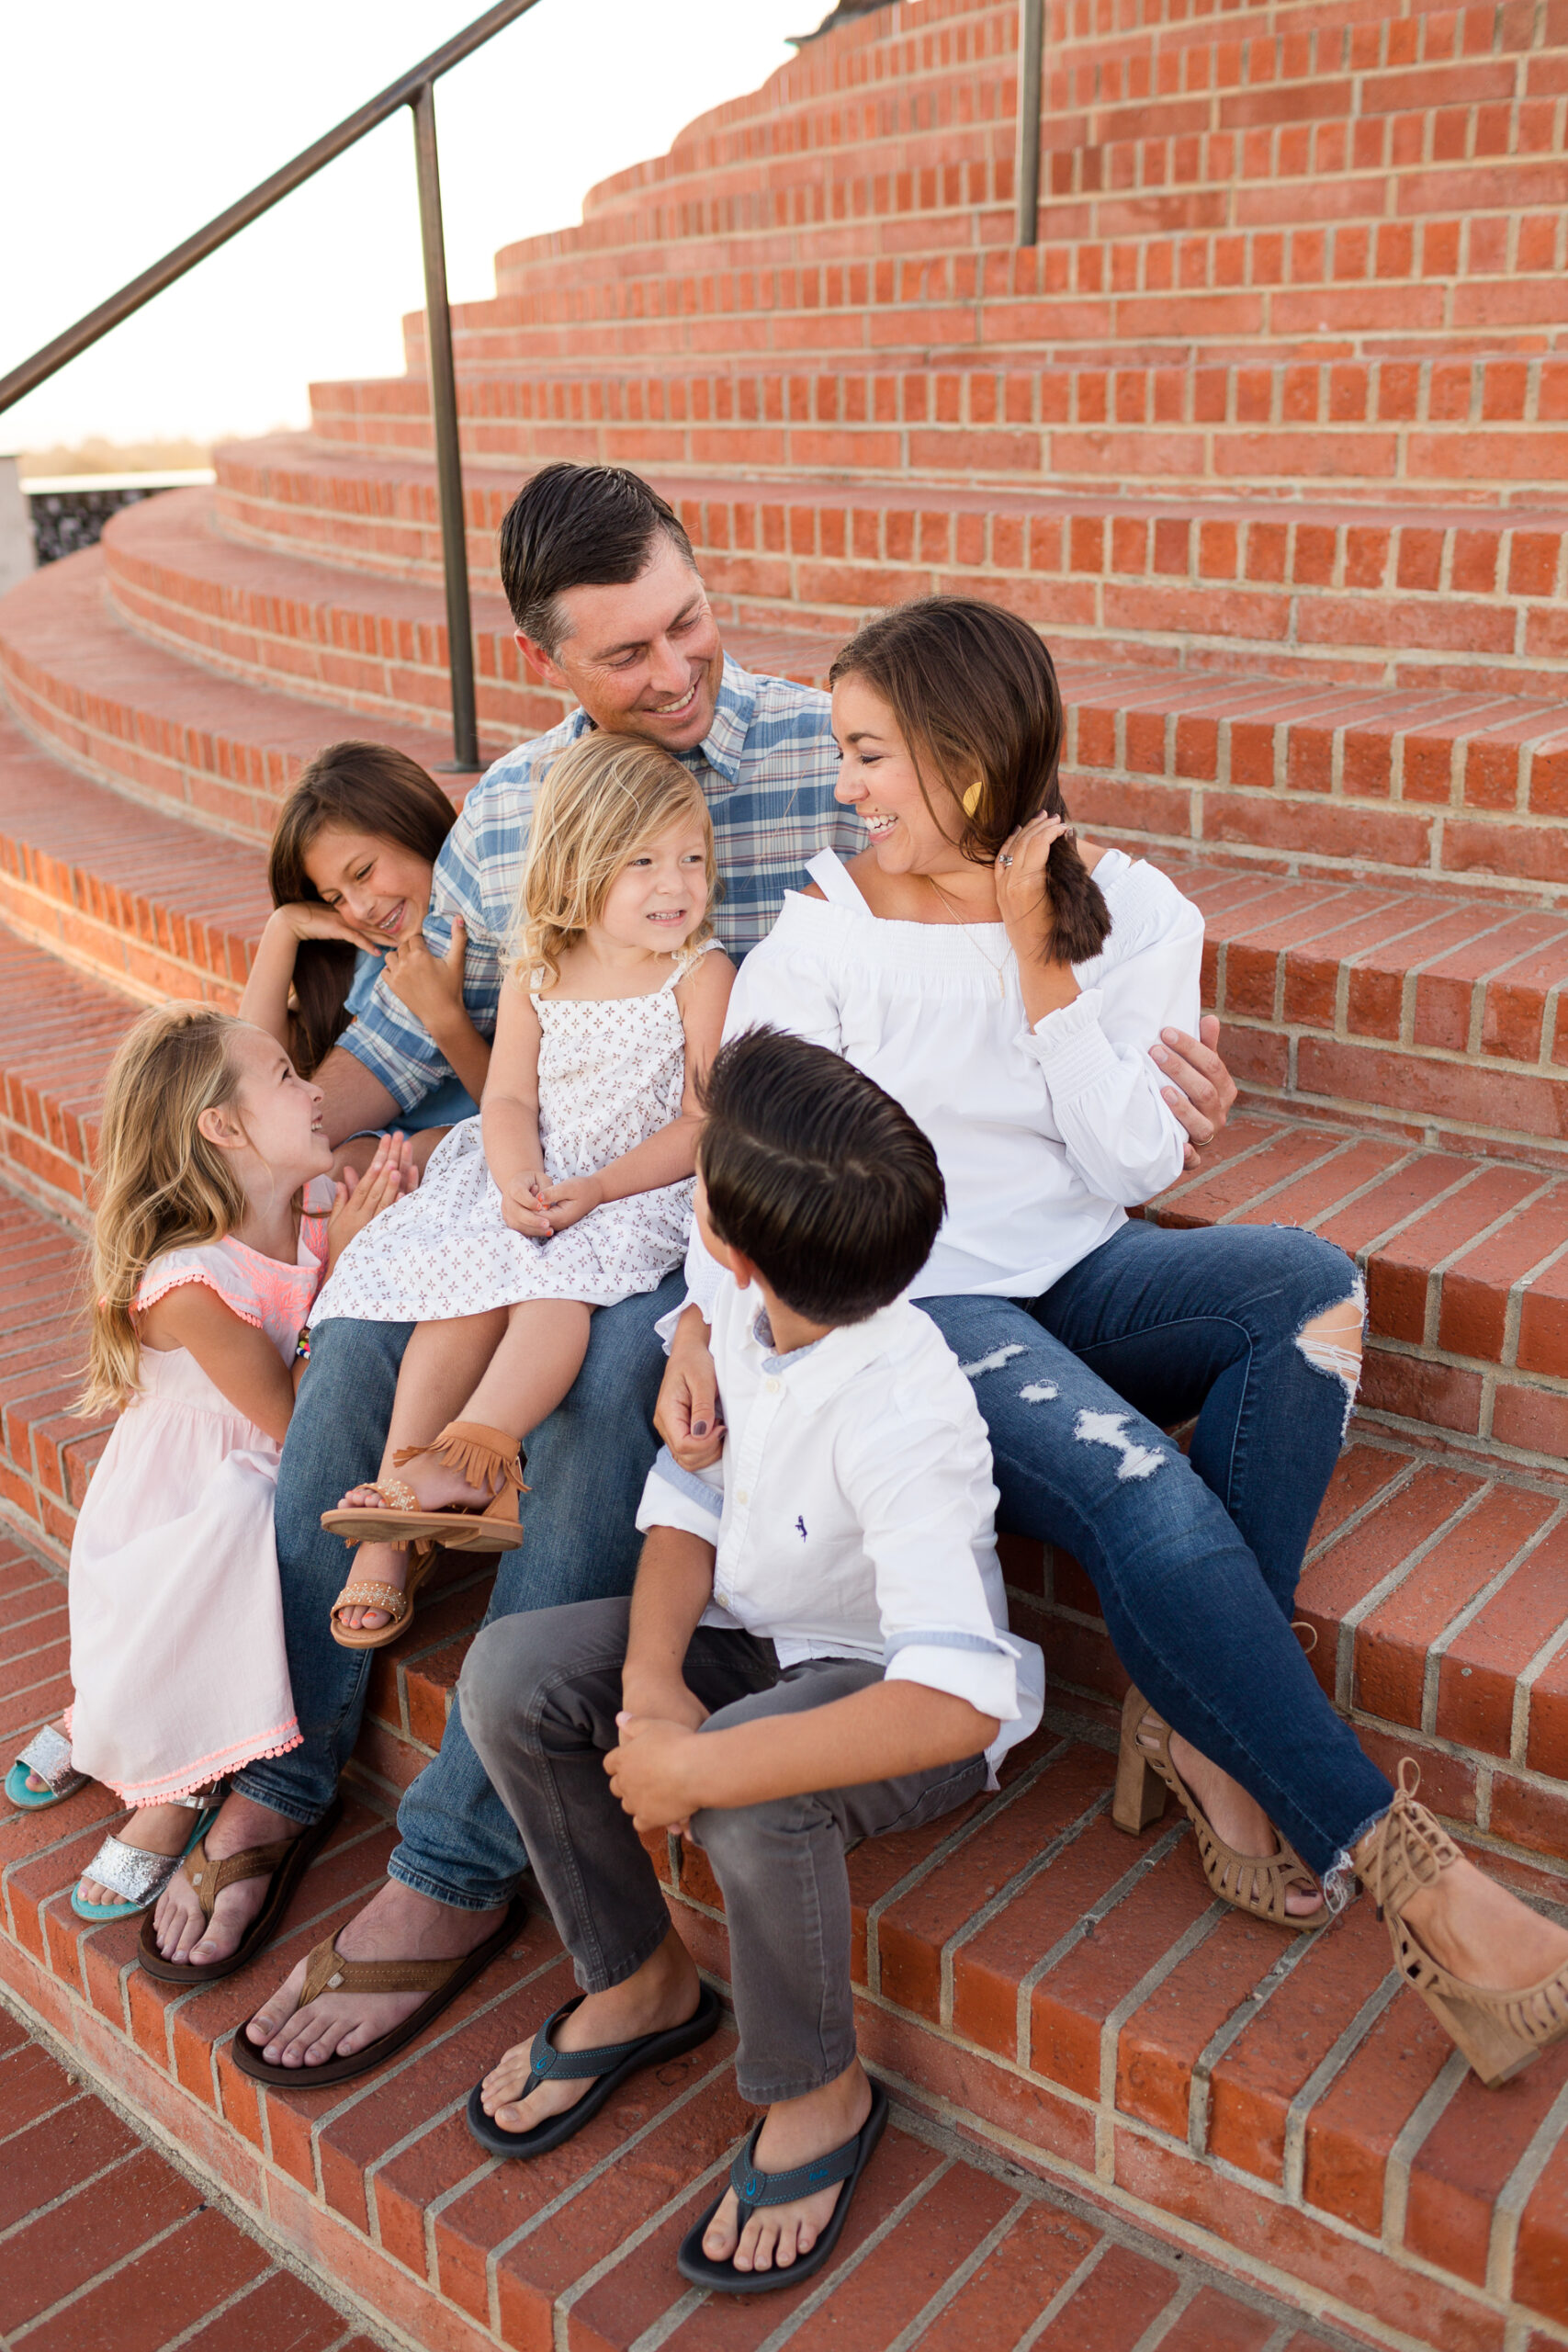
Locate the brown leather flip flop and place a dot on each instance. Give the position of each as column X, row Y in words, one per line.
column 326, row 1971
column 285, row 1863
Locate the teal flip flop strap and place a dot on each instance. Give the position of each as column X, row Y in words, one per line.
column 753, row 2188
column 546, row 2063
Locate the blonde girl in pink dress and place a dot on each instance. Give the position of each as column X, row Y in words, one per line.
column 217, row 1220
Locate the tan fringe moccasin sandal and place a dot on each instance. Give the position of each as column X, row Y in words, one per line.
column 487, row 1458
column 1145, row 1775
column 1499, row 2032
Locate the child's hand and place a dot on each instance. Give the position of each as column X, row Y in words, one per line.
column 689, row 1414
column 521, row 1205
column 652, row 1772
column 359, row 1198
column 664, row 1700
column 310, row 919
column 431, row 986
column 567, row 1201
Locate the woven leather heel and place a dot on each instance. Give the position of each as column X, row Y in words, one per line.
column 1500, row 2033
column 1144, row 1774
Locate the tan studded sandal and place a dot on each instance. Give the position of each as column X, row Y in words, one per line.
column 1145, row 1775
column 487, row 1458
column 1500, row 2033
column 395, row 1601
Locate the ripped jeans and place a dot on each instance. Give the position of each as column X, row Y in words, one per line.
column 1195, row 1559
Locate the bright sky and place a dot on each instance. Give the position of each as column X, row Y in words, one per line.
column 133, row 128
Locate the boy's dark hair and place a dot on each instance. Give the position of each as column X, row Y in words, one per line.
column 819, row 1177
column 579, row 526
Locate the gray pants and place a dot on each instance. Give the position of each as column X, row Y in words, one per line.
column 539, row 1697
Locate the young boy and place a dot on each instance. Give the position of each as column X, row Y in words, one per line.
column 816, row 1652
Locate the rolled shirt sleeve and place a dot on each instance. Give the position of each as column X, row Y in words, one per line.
column 922, row 1486
column 692, row 1500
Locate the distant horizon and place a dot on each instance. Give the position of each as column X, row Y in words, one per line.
column 317, row 289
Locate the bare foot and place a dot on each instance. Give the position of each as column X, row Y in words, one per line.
column 1234, row 1816
column 396, row 1924
column 1483, row 1934
column 437, row 1487
column 664, row 1992
column 152, row 1829
column 182, row 1930
column 796, row 2130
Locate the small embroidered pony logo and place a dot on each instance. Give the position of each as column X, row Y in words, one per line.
column 801, row 1525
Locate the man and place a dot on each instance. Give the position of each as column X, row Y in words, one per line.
column 609, row 608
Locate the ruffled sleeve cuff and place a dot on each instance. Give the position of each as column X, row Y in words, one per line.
column 1071, row 1048
column 183, row 1266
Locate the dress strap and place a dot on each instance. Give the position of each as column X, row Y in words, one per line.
column 835, row 881
column 688, row 963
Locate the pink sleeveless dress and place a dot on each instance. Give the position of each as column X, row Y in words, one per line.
column 176, row 1623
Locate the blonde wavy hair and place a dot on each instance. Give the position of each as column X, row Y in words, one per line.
column 605, row 799
column 161, row 1185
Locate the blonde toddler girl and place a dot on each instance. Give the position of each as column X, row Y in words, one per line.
column 571, row 1190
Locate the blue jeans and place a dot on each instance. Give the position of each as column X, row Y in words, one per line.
column 1195, row 1559
column 586, row 1467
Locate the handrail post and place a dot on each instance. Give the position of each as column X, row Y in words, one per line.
column 1026, row 176
column 448, row 456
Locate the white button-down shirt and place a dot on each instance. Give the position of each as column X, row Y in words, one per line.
column 852, row 1513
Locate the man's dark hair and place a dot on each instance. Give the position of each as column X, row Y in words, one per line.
column 579, row 526
column 819, row 1177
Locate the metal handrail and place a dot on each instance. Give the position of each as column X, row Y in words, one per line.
column 1026, row 175
column 414, row 89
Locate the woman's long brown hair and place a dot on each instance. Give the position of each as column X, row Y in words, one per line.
column 975, row 694
column 348, row 788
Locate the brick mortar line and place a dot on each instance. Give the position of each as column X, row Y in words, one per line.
column 1159, row 2327
column 810, row 2304
column 1464, row 1249
column 1419, row 2125
column 1066, row 1837
column 1246, row 2013
column 1508, row 2208
column 1064, row 2294
column 113, row 2270
column 957, row 2279
column 1107, row 2114
column 1489, row 1455
column 561, row 2308
column 1323, row 2075
column 1524, row 1696
column 1551, row 1384
column 1353, row 1616
column 942, row 1852
column 1100, row 1909
column 88, row 2180
column 1443, row 1641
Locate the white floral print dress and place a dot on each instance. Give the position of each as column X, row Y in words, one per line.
column 612, row 1072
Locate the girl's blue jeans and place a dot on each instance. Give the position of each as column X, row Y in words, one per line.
column 1195, row 1558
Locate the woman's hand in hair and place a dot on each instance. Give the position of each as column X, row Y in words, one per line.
column 1025, row 902
column 431, row 986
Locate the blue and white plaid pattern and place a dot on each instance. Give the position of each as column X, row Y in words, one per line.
column 767, row 768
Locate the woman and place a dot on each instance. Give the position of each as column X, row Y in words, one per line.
column 1004, row 984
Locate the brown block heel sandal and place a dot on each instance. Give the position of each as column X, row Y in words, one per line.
column 284, row 1863
column 1145, row 1775
column 326, row 1971
column 1500, row 2033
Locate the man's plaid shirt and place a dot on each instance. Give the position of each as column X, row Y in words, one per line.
column 767, row 768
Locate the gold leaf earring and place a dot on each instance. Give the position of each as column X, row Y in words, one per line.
column 971, row 800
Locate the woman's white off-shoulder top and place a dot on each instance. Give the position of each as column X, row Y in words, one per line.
column 1045, row 1136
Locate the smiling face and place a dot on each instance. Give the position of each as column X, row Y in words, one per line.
column 643, row 658
column 377, row 884
column 273, row 1122
column 877, row 779
column 661, row 895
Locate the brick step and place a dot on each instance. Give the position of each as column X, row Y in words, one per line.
column 123, row 710
column 1432, row 1014
column 1456, row 431
column 1084, row 2046
column 380, row 2190
column 1489, row 432
column 1441, row 597
column 154, row 906
column 105, row 2242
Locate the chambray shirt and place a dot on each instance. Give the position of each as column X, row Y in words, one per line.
column 852, row 1513
column 767, row 767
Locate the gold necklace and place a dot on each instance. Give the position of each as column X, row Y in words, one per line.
column 969, row 930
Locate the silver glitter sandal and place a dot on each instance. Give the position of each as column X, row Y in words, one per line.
column 137, row 1876
column 47, row 1757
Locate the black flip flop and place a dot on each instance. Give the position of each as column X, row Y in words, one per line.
column 294, row 1861
column 754, row 2189
column 610, row 2063
column 247, row 2057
